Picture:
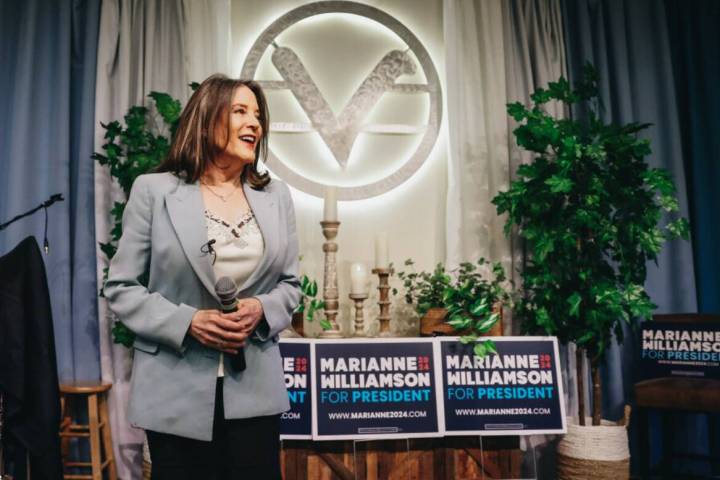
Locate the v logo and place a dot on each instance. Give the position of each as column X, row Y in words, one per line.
column 420, row 117
column 339, row 133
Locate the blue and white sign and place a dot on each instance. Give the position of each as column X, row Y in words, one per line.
column 680, row 350
column 375, row 388
column 296, row 423
column 516, row 392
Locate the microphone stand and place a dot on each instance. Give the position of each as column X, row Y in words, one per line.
column 54, row 198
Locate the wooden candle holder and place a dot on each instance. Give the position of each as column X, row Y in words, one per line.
column 359, row 313
column 330, row 289
column 384, row 302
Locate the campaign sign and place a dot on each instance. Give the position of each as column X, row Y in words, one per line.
column 296, row 423
column 518, row 391
column 374, row 388
column 680, row 349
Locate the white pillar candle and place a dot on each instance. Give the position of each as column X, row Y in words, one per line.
column 358, row 279
column 330, row 205
column 381, row 250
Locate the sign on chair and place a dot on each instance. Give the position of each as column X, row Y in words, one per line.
column 670, row 349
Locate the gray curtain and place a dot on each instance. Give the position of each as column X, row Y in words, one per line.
column 144, row 45
column 48, row 55
column 141, row 48
column 478, row 161
column 694, row 37
column 628, row 42
column 534, row 56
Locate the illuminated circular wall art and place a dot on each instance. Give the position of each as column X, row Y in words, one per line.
column 385, row 84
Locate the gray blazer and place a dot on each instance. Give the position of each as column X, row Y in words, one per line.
column 174, row 375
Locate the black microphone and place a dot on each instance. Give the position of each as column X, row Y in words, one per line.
column 227, row 291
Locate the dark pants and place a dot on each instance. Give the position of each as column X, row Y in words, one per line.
column 247, row 448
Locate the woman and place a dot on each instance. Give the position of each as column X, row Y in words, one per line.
column 206, row 214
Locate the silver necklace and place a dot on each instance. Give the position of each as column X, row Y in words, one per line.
column 225, row 197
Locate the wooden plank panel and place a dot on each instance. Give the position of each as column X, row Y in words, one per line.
column 450, row 458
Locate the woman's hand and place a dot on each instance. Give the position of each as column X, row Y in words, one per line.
column 219, row 330
column 248, row 315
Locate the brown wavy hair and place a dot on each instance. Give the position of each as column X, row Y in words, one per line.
column 194, row 144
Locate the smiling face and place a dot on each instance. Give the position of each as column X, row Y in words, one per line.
column 240, row 137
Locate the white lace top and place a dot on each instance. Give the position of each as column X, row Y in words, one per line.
column 238, row 249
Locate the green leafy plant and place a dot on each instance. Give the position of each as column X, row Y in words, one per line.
column 471, row 301
column 424, row 290
column 308, row 303
column 589, row 209
column 129, row 151
column 474, row 302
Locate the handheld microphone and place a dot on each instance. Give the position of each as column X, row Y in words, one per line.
column 227, row 292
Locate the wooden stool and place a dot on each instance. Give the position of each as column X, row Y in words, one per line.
column 98, row 424
column 677, row 395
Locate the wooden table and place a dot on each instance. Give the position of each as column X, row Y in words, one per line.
column 448, row 458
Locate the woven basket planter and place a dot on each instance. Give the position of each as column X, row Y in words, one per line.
column 594, row 452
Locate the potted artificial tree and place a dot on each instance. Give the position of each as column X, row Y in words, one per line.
column 589, row 209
